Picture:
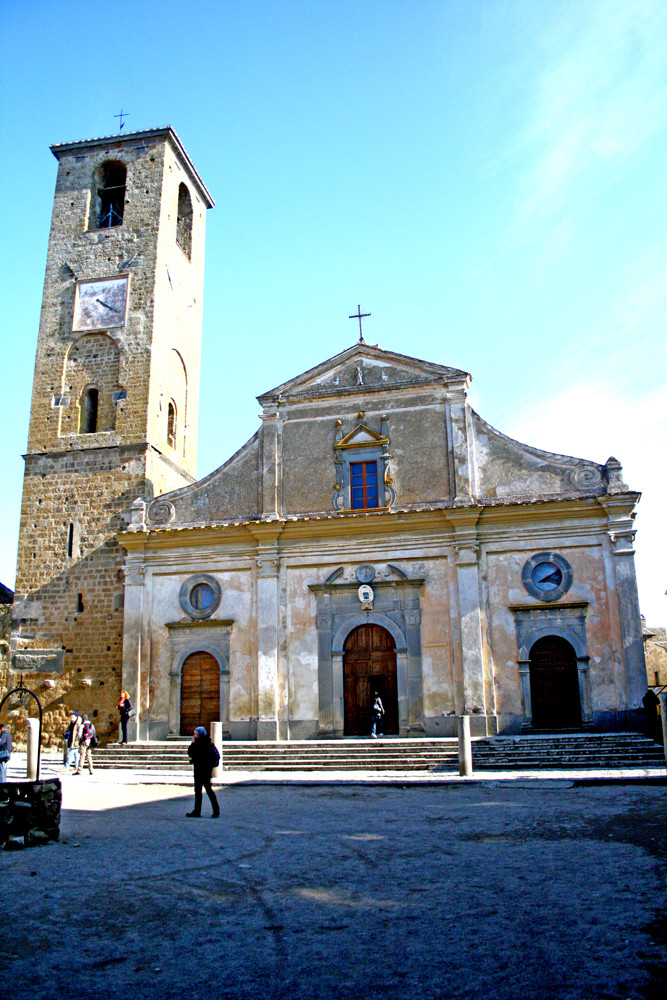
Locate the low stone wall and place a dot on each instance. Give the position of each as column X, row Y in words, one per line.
column 29, row 813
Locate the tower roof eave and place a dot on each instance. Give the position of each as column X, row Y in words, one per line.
column 60, row 148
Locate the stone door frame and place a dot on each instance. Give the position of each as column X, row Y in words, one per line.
column 568, row 621
column 396, row 608
column 198, row 637
column 338, row 657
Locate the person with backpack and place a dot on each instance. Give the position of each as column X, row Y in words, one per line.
column 72, row 738
column 204, row 755
column 87, row 742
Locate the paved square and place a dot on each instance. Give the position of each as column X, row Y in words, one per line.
column 507, row 891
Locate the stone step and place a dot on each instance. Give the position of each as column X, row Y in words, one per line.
column 479, row 751
column 525, row 752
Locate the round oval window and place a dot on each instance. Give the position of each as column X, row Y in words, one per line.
column 201, row 597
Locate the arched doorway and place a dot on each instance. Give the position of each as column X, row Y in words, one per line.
column 200, row 692
column 554, row 684
column 369, row 664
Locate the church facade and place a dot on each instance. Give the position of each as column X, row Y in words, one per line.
column 374, row 535
column 377, row 535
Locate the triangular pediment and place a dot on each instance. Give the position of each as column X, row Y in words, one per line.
column 360, row 436
column 360, row 369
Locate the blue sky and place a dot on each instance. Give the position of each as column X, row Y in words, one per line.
column 485, row 178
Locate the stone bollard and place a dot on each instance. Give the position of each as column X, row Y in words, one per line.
column 33, row 749
column 216, row 738
column 663, row 713
column 465, row 746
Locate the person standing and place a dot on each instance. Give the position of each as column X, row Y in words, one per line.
column 72, row 739
column 85, row 743
column 378, row 712
column 204, row 755
column 5, row 751
column 126, row 711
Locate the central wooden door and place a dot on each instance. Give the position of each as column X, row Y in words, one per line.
column 200, row 693
column 554, row 684
column 369, row 665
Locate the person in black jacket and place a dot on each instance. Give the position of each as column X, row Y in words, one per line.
column 124, row 707
column 205, row 757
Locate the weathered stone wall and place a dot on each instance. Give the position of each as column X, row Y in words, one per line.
column 655, row 647
column 5, row 633
column 415, row 424
column 29, row 813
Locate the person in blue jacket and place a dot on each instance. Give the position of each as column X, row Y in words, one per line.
column 5, row 751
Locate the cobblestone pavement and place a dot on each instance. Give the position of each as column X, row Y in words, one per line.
column 504, row 890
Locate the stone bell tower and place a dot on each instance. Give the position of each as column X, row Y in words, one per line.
column 114, row 401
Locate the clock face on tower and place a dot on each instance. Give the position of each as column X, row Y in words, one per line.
column 100, row 303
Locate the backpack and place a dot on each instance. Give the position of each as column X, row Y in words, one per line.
column 215, row 755
column 88, row 733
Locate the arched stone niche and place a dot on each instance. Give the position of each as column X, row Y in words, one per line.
column 194, row 637
column 395, row 607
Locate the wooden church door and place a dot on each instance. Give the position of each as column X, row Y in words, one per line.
column 200, row 692
column 554, row 684
column 369, row 665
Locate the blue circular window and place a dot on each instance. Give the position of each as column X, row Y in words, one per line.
column 547, row 576
column 200, row 596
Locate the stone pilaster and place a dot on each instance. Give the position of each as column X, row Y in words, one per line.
column 415, row 689
column 620, row 511
column 324, row 620
column 271, row 462
column 133, row 637
column 268, row 628
column 470, row 612
column 459, row 433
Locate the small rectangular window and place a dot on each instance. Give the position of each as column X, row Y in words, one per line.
column 363, row 485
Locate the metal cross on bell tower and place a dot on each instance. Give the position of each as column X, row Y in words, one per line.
column 359, row 315
column 121, row 116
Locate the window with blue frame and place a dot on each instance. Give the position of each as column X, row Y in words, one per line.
column 364, row 485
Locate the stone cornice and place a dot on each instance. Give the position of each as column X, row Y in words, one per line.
column 325, row 392
column 495, row 525
column 123, row 449
column 207, row 624
column 539, row 606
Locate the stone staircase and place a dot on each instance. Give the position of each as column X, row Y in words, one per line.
column 548, row 751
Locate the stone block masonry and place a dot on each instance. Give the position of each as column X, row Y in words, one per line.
column 29, row 813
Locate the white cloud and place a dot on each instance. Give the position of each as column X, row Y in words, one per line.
column 600, row 96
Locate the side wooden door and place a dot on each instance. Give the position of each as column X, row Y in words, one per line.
column 200, row 693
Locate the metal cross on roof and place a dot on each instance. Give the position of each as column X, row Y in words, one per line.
column 123, row 114
column 359, row 315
